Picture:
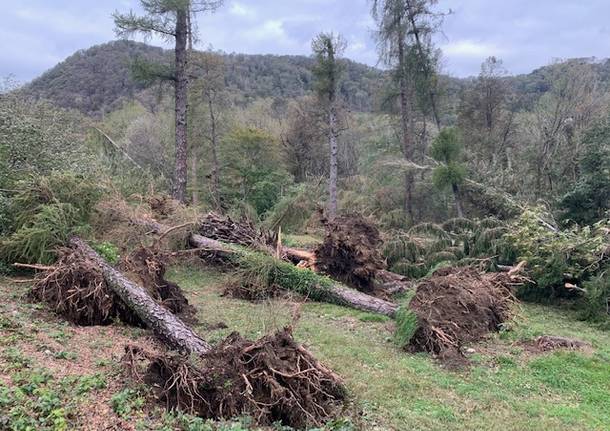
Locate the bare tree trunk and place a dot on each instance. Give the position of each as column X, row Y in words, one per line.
column 336, row 293
column 426, row 67
column 332, row 181
column 215, row 163
column 458, row 200
column 181, row 90
column 164, row 324
column 194, row 152
column 194, row 177
column 407, row 144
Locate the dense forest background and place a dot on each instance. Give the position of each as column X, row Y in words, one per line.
column 523, row 135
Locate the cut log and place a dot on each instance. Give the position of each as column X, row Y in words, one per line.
column 175, row 333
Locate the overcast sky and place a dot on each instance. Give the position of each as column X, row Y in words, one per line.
column 37, row 34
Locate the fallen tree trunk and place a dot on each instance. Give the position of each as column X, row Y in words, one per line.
column 335, row 292
column 175, row 333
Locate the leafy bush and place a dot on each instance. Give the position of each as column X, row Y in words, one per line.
column 108, row 251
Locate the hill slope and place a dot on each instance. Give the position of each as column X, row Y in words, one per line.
column 95, row 80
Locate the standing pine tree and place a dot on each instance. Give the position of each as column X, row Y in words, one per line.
column 404, row 42
column 447, row 149
column 327, row 72
column 172, row 20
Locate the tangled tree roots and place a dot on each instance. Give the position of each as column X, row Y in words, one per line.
column 225, row 229
column 75, row 289
column 149, row 266
column 272, row 380
column 459, row 305
column 351, row 251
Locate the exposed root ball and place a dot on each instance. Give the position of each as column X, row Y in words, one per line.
column 162, row 205
column 272, row 380
column 351, row 251
column 459, row 305
column 223, row 228
column 149, row 266
column 75, row 289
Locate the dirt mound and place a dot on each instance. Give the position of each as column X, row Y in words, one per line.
column 272, row 380
column 223, row 228
column 457, row 306
column 351, row 251
column 75, row 288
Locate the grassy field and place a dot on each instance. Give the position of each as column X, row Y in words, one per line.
column 57, row 376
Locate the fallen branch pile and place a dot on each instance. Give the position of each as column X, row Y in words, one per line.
column 223, row 228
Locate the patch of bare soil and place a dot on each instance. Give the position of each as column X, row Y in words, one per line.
column 350, row 251
column 547, row 343
column 273, row 379
column 457, row 306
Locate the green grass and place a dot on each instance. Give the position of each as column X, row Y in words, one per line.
column 506, row 388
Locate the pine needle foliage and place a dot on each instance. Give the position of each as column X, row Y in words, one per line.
column 406, row 323
column 45, row 212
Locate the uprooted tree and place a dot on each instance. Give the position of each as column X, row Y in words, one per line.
column 274, row 379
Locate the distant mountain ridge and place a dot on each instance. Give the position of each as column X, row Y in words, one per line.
column 99, row 79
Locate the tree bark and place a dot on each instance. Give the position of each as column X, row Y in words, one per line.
column 337, row 293
column 332, row 180
column 181, row 90
column 175, row 333
column 215, row 163
column 458, row 200
column 407, row 145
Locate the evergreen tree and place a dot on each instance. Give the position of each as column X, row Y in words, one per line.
column 170, row 19
column 447, row 149
column 327, row 72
